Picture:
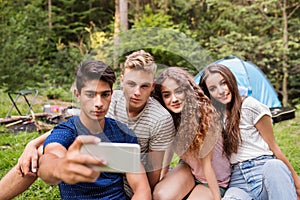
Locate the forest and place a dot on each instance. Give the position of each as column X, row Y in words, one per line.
column 42, row 42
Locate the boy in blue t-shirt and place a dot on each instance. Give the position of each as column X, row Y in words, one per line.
column 76, row 174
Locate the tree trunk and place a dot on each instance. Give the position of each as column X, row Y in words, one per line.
column 116, row 32
column 137, row 9
column 284, row 61
column 121, row 24
column 49, row 14
column 124, row 15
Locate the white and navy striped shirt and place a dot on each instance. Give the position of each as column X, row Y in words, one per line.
column 153, row 127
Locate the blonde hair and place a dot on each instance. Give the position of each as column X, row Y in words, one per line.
column 140, row 60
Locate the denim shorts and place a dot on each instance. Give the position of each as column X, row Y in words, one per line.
column 263, row 177
column 252, row 162
column 222, row 189
column 248, row 175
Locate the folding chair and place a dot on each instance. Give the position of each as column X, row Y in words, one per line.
column 18, row 94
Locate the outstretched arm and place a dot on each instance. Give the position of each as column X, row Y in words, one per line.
column 154, row 167
column 139, row 183
column 28, row 161
column 211, row 176
column 166, row 162
column 12, row 184
column 59, row 164
column 23, row 174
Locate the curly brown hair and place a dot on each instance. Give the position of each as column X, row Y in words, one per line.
column 232, row 111
column 193, row 123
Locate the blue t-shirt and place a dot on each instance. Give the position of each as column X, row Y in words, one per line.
column 108, row 185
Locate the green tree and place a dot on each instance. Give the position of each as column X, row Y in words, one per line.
column 254, row 30
column 43, row 51
column 24, row 40
column 43, row 41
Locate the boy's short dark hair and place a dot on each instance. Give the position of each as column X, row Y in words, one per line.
column 94, row 70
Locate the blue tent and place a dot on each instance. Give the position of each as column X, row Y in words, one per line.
column 251, row 81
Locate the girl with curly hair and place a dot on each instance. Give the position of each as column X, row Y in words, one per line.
column 203, row 170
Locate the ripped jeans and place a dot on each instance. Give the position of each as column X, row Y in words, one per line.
column 261, row 178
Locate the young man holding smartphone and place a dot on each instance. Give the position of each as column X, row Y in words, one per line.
column 77, row 174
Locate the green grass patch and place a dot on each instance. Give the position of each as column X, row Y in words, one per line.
column 11, row 147
column 65, row 98
column 287, row 134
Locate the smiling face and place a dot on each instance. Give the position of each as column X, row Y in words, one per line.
column 218, row 88
column 137, row 87
column 172, row 95
column 94, row 99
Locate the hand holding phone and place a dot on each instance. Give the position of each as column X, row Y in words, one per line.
column 120, row 157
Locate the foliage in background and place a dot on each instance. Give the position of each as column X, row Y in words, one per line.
column 37, row 54
column 185, row 33
column 24, row 39
column 59, row 93
column 253, row 30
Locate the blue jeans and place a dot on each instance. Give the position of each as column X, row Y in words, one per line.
column 262, row 178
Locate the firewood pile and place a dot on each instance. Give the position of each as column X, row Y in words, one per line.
column 40, row 122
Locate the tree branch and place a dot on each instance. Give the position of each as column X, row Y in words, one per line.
column 293, row 11
column 267, row 19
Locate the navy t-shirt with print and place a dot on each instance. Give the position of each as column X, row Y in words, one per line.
column 108, row 185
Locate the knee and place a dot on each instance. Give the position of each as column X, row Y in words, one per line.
column 161, row 193
column 274, row 164
column 276, row 171
column 156, row 193
column 235, row 193
column 276, row 167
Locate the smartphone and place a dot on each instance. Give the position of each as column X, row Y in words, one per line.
column 120, row 157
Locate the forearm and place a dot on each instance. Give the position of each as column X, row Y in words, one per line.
column 212, row 182
column 49, row 164
column 70, row 166
column 142, row 193
column 164, row 171
column 279, row 155
column 139, row 184
column 211, row 176
column 154, row 166
column 166, row 162
column 214, row 188
column 12, row 184
column 39, row 140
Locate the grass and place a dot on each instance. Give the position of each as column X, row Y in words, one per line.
column 11, row 147
column 287, row 135
column 38, row 104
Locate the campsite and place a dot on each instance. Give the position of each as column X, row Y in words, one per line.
column 12, row 142
column 43, row 42
column 253, row 82
column 11, row 146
